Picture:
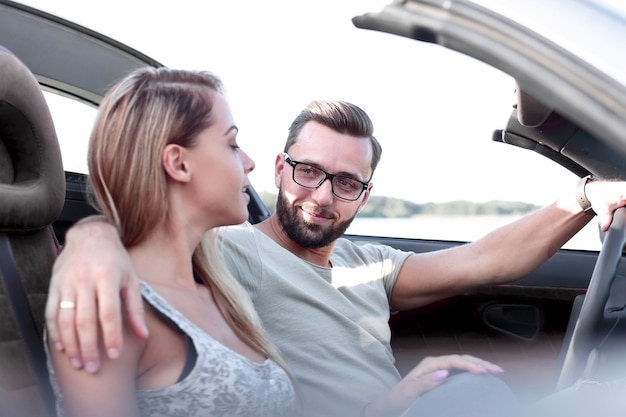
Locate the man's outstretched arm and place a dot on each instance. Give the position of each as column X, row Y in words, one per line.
column 507, row 253
column 92, row 280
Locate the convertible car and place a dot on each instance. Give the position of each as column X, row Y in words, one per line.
column 561, row 323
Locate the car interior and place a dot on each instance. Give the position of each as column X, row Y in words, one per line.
column 543, row 327
column 39, row 201
column 555, row 117
column 32, row 194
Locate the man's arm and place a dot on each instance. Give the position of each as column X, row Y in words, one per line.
column 505, row 254
column 95, row 273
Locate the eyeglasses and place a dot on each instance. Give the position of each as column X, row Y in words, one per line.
column 310, row 176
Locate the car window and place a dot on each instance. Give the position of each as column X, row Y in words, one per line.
column 463, row 189
column 444, row 178
column 468, row 220
column 73, row 120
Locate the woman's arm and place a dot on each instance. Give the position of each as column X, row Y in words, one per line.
column 108, row 392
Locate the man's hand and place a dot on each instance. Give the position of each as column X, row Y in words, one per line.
column 605, row 198
column 428, row 374
column 92, row 278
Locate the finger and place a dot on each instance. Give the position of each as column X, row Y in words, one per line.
column 460, row 362
column 60, row 322
column 110, row 314
column 51, row 315
column 66, row 320
column 133, row 305
column 605, row 221
column 431, row 380
column 493, row 368
column 419, row 384
column 474, row 365
column 87, row 326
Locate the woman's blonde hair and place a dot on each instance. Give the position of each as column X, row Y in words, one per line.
column 147, row 110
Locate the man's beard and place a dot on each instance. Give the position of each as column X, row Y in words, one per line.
column 307, row 235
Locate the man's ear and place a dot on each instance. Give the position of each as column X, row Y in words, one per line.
column 175, row 164
column 366, row 197
column 279, row 166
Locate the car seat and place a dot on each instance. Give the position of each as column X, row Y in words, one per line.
column 32, row 193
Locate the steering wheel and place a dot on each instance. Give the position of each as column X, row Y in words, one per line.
column 595, row 321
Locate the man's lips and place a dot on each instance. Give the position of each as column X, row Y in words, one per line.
column 316, row 214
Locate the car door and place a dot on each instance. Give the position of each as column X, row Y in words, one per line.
column 521, row 325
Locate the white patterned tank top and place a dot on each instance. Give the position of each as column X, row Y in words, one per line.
column 221, row 383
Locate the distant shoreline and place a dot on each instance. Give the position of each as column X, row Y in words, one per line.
column 391, row 207
column 456, row 228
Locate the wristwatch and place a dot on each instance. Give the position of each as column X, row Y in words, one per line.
column 581, row 197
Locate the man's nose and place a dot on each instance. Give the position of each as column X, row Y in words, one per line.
column 323, row 194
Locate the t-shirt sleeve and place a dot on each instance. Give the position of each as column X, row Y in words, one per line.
column 384, row 261
column 394, row 259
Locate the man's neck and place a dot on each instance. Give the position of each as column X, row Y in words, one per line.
column 273, row 229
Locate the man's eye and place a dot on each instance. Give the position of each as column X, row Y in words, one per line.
column 347, row 183
column 307, row 170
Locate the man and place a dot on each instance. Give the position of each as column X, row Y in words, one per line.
column 325, row 301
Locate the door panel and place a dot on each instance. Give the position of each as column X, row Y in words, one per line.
column 519, row 326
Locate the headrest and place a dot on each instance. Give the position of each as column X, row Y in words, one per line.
column 32, row 181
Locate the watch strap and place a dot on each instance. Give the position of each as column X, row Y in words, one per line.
column 581, row 197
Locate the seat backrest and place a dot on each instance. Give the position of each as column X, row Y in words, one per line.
column 32, row 193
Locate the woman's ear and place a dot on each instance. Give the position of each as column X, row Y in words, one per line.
column 175, row 164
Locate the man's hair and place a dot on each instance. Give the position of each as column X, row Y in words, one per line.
column 340, row 116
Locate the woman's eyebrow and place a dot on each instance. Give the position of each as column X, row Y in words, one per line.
column 233, row 127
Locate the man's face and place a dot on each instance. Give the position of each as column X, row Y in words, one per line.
column 314, row 218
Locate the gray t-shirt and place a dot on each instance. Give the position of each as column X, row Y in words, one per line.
column 330, row 324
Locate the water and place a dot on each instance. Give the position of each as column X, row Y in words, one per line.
column 457, row 228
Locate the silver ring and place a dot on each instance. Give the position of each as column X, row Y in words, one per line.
column 67, row 305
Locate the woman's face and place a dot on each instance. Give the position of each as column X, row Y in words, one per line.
column 219, row 170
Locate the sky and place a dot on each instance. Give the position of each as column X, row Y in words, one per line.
column 276, row 56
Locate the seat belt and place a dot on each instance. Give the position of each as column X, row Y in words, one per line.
column 18, row 301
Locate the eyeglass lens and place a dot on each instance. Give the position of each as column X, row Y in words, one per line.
column 312, row 177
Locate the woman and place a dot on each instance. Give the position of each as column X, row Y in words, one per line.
column 165, row 167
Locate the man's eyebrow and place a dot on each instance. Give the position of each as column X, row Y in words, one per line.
column 352, row 175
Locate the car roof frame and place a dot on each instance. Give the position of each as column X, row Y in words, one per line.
column 78, row 62
column 546, row 71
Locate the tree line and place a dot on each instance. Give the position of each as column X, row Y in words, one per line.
column 380, row 206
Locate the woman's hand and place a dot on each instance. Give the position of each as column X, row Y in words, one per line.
column 428, row 374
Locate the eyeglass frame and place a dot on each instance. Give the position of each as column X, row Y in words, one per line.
column 327, row 175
